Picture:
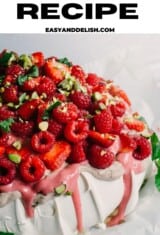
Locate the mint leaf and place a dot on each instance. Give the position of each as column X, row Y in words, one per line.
column 157, row 180
column 6, row 233
column 4, row 60
column 2, row 78
column 6, row 124
column 33, row 72
column 65, row 61
column 22, row 97
column 48, row 111
column 155, row 146
column 21, row 79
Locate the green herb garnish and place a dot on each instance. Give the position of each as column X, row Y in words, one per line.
column 7, row 58
column 6, row 124
column 21, row 79
column 65, row 61
column 6, row 233
column 48, row 111
column 33, row 72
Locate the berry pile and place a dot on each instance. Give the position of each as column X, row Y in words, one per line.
column 52, row 112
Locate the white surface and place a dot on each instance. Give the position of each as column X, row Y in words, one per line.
column 133, row 61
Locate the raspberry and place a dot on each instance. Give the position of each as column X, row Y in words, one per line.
column 101, row 87
column 41, row 110
column 46, row 86
column 143, row 148
column 31, row 169
column 65, row 112
column 76, row 131
column 9, row 79
column 23, row 129
column 42, row 141
column 55, row 128
column 24, row 152
column 103, row 121
column 15, row 70
column 7, row 171
column 5, row 113
column 78, row 72
column 100, row 157
column 78, row 153
column 27, row 110
column 38, row 58
column 10, row 94
column 6, row 139
column 135, row 124
column 80, row 99
column 128, row 142
column 60, row 97
column 118, row 109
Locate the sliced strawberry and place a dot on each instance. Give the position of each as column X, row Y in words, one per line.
column 56, row 155
column 128, row 143
column 135, row 124
column 28, row 109
column 51, row 71
column 2, row 150
column 104, row 140
column 38, row 58
column 116, row 91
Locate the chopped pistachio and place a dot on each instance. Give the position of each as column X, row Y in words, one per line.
column 17, row 144
column 97, row 96
column 60, row 189
column 16, row 158
column 34, row 95
column 43, row 126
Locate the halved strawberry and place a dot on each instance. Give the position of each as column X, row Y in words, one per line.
column 38, row 58
column 135, row 124
column 56, row 155
column 2, row 150
column 104, row 140
column 128, row 143
column 116, row 91
column 51, row 71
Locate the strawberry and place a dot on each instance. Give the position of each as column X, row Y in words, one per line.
column 42, row 141
column 31, row 84
column 31, row 169
column 38, row 58
column 78, row 153
column 135, row 124
column 65, row 112
column 118, row 109
column 2, row 150
column 104, row 140
column 9, row 79
column 10, row 94
column 117, row 126
column 116, row 91
column 15, row 70
column 5, row 113
column 79, row 73
column 52, row 72
column 27, row 110
column 76, row 131
column 100, row 157
column 143, row 148
column 128, row 143
column 80, row 99
column 57, row 155
column 8, row 171
column 103, row 121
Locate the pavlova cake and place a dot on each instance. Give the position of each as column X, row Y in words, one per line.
column 73, row 155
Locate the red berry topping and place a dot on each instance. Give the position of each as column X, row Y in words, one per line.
column 128, row 142
column 80, row 99
column 93, row 80
column 46, row 86
column 23, row 128
column 28, row 109
column 52, row 72
column 6, row 139
column 10, row 94
column 117, row 126
column 76, row 131
column 143, row 148
column 5, row 113
column 116, row 91
column 31, row 169
column 135, row 124
column 7, row 171
column 65, row 112
column 100, row 157
column 15, row 70
column 118, row 109
column 55, row 128
column 103, row 121
column 42, row 141
column 38, row 58
column 57, row 155
column 104, row 140
column 78, row 153
column 9, row 79
column 79, row 73
column 31, row 84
